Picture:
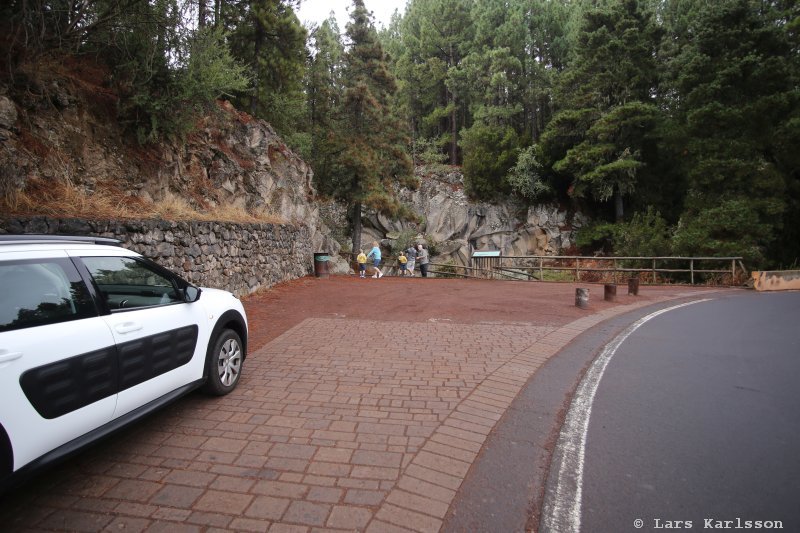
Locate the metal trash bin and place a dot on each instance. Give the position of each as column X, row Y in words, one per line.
column 321, row 260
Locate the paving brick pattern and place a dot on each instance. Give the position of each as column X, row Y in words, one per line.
column 338, row 425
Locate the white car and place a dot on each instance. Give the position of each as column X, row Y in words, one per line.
column 93, row 337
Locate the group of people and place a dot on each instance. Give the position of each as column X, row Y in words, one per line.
column 407, row 260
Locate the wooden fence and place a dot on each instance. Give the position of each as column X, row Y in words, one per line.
column 654, row 270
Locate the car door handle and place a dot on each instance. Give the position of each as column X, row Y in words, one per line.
column 5, row 357
column 127, row 327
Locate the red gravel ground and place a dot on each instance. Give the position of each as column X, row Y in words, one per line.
column 462, row 301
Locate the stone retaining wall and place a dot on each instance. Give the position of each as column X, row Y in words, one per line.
column 240, row 258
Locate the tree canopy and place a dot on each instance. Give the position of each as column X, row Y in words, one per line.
column 681, row 115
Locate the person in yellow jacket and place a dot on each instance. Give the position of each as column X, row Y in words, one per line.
column 402, row 259
column 362, row 264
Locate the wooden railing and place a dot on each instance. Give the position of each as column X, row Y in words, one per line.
column 655, row 270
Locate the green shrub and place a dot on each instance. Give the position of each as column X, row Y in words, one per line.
column 405, row 239
column 731, row 229
column 432, row 246
column 431, row 154
column 166, row 98
column 526, row 176
column 645, row 235
column 597, row 237
column 447, row 270
column 489, row 152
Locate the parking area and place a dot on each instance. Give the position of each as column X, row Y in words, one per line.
column 362, row 407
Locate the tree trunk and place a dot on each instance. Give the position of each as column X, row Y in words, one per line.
column 453, row 132
column 453, row 115
column 619, row 213
column 356, row 221
column 257, row 44
column 202, row 13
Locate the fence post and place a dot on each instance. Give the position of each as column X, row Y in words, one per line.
column 615, row 270
column 654, row 271
column 541, row 268
column 610, row 292
column 577, row 269
column 691, row 270
column 733, row 271
column 633, row 286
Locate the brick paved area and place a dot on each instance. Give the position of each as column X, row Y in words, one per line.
column 338, row 425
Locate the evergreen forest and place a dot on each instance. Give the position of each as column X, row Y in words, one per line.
column 674, row 124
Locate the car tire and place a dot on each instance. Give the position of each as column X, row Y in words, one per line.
column 224, row 363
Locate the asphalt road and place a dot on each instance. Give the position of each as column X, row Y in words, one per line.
column 695, row 424
column 505, row 486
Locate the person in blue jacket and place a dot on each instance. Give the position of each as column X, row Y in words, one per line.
column 375, row 254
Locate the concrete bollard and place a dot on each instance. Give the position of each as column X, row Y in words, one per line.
column 633, row 286
column 610, row 292
column 582, row 298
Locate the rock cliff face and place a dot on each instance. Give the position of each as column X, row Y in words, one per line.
column 230, row 159
column 459, row 227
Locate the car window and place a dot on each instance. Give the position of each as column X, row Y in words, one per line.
column 126, row 283
column 39, row 292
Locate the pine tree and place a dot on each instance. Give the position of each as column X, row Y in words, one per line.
column 492, row 79
column 738, row 109
column 600, row 137
column 267, row 36
column 436, row 35
column 324, row 93
column 372, row 154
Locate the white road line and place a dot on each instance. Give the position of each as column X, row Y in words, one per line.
column 562, row 506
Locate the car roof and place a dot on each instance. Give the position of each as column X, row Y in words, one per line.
column 56, row 239
column 19, row 243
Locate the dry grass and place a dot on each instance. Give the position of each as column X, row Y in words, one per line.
column 58, row 199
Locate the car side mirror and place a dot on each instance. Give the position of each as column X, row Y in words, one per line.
column 191, row 294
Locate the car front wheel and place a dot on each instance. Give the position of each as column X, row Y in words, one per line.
column 225, row 363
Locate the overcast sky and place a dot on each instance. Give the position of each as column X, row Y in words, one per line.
column 315, row 11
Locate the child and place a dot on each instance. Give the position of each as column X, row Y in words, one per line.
column 402, row 259
column 362, row 264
